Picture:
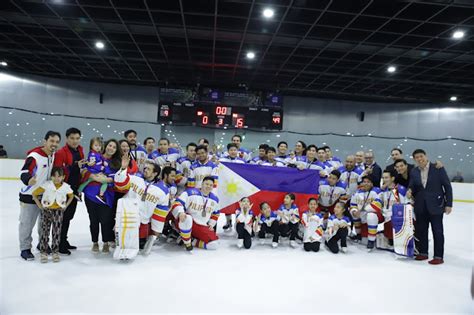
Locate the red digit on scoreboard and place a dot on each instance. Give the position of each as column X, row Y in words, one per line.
column 221, row 110
column 220, row 121
column 205, row 120
column 276, row 120
column 166, row 113
column 240, row 123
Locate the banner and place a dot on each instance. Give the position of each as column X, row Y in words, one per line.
column 264, row 183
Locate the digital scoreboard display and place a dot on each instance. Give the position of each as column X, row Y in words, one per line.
column 220, row 115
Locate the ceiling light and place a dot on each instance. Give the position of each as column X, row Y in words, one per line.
column 99, row 45
column 268, row 13
column 250, row 55
column 458, row 34
column 391, row 69
column 453, row 98
column 4, row 63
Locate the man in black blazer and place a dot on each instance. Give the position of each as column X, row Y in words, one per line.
column 433, row 195
column 372, row 168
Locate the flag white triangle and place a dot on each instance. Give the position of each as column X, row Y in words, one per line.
column 232, row 187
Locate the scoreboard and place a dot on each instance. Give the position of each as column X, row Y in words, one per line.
column 220, row 115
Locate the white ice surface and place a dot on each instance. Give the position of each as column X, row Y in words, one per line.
column 230, row 280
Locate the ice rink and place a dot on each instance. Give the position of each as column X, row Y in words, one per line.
column 230, row 280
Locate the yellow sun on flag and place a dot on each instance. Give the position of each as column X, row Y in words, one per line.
column 232, row 188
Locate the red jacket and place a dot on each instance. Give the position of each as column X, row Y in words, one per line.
column 63, row 158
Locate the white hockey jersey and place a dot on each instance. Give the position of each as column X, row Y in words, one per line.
column 369, row 201
column 245, row 218
column 183, row 169
column 270, row 219
column 329, row 195
column 244, row 154
column 152, row 197
column 203, row 209
column 200, row 171
column 228, row 159
column 275, row 163
column 289, row 215
column 313, row 226
column 390, row 197
column 163, row 159
column 351, row 179
column 335, row 223
column 141, row 156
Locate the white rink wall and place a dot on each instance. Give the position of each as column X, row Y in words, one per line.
column 10, row 169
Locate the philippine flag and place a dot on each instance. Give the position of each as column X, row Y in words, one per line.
column 264, row 183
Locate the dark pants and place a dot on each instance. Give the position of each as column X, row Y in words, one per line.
column 314, row 246
column 244, row 234
column 423, row 220
column 290, row 229
column 51, row 221
column 68, row 215
column 100, row 216
column 273, row 229
column 341, row 234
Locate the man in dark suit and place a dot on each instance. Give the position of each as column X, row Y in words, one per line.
column 372, row 168
column 431, row 189
column 396, row 154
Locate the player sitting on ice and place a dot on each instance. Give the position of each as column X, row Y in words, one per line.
column 312, row 222
column 197, row 212
column 365, row 208
column 146, row 200
column 290, row 218
column 268, row 222
column 338, row 228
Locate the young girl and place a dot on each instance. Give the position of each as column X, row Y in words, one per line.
column 244, row 221
column 95, row 165
column 338, row 229
column 56, row 197
column 290, row 219
column 312, row 222
column 268, row 222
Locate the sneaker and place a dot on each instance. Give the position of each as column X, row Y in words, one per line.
column 27, row 255
column 56, row 257
column 69, row 246
column 262, row 241
column 64, row 251
column 344, row 249
column 240, row 243
column 95, row 247
column 43, row 258
column 293, row 244
column 274, row 244
column 105, row 248
column 101, row 199
column 436, row 261
column 112, row 244
column 370, row 245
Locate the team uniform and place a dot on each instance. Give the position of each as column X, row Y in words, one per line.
column 351, row 179
column 202, row 212
column 282, row 158
column 183, row 169
column 329, row 195
column 199, row 171
column 275, row 163
column 270, row 225
column 369, row 204
column 243, row 226
column 335, row 162
column 256, row 160
column 140, row 155
column 290, row 219
column 145, row 205
column 389, row 198
column 244, row 154
column 313, row 230
column 229, row 159
column 337, row 230
column 164, row 159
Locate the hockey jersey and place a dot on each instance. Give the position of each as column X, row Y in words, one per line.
column 98, row 162
column 152, row 197
column 291, row 215
column 203, row 209
column 245, row 218
column 329, row 195
column 369, row 201
column 350, row 178
column 228, row 159
column 53, row 197
column 38, row 165
column 275, row 163
column 257, row 160
column 313, row 226
column 270, row 219
column 335, row 223
column 392, row 196
column 162, row 159
column 335, row 162
column 199, row 171
column 141, row 156
column 282, row 158
column 244, row 154
column 183, row 168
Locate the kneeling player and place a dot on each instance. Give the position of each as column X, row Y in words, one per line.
column 268, row 222
column 197, row 211
column 146, row 199
column 366, row 211
column 338, row 229
column 312, row 222
column 244, row 222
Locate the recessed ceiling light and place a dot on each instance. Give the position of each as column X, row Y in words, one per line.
column 458, row 34
column 4, row 63
column 391, row 69
column 99, row 45
column 250, row 55
column 453, row 98
column 268, row 13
